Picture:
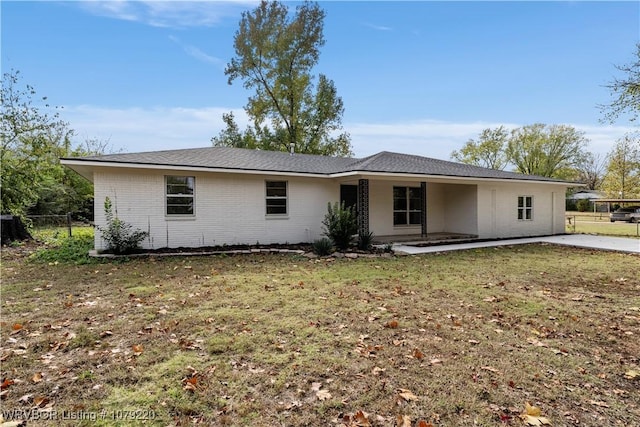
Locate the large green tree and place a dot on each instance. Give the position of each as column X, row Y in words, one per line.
column 30, row 142
column 546, row 150
column 487, row 151
column 625, row 91
column 622, row 178
column 274, row 55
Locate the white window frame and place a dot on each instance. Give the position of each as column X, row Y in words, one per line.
column 407, row 210
column 191, row 196
column 525, row 208
column 273, row 197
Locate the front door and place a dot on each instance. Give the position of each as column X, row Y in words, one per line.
column 349, row 196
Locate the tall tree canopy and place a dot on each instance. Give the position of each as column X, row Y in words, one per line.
column 625, row 90
column 31, row 141
column 546, row 150
column 488, row 151
column 623, row 170
column 275, row 53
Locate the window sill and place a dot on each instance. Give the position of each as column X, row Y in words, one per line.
column 180, row 217
column 276, row 216
column 404, row 227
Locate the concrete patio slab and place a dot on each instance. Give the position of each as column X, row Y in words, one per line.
column 607, row 243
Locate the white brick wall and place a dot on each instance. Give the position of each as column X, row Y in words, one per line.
column 229, row 208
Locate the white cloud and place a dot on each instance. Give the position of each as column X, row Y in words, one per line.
column 377, row 27
column 148, row 129
column 167, row 13
column 161, row 128
column 197, row 53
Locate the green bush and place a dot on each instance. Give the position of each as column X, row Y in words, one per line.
column 322, row 247
column 365, row 240
column 340, row 225
column 583, row 205
column 120, row 237
column 69, row 250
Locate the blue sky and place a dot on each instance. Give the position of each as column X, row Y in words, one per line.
column 415, row 77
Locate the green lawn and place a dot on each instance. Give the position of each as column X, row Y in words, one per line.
column 461, row 338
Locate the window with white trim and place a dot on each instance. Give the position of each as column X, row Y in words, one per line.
column 407, row 205
column 276, row 197
column 525, row 208
column 180, row 195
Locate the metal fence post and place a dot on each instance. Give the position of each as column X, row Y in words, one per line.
column 69, row 222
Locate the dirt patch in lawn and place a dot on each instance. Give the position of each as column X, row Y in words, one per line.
column 450, row 339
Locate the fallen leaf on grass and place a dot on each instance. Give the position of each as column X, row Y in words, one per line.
column 418, row 354
column 323, row 395
column 407, row 395
column 190, row 384
column 403, row 421
column 393, row 324
column 37, row 377
column 137, row 349
column 359, row 419
column 632, row 374
column 533, row 416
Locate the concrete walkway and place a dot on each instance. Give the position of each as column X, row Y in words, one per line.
column 607, row 243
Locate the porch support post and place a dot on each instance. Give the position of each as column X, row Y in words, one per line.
column 363, row 206
column 423, row 208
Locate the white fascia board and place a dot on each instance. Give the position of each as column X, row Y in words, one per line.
column 391, row 175
column 186, row 168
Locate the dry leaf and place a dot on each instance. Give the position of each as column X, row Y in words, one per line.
column 316, row 386
column 6, row 383
column 323, row 395
column 190, row 384
column 407, row 395
column 423, row 423
column 393, row 324
column 532, row 416
column 633, row 374
column 37, row 377
column 403, row 421
column 16, row 326
column 137, row 349
column 418, row 354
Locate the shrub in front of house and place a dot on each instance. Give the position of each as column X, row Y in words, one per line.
column 322, row 247
column 120, row 236
column 340, row 224
column 365, row 241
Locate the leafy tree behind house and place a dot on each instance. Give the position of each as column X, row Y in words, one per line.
column 625, row 91
column 274, row 56
column 546, row 150
column 487, row 151
column 623, row 169
column 30, row 143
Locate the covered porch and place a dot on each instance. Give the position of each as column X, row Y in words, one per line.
column 429, row 239
column 406, row 209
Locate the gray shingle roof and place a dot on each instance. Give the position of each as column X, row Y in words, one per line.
column 274, row 161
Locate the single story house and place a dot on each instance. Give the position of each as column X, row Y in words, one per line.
column 215, row 196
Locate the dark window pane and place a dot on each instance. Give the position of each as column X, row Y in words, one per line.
column 520, row 202
column 276, row 210
column 529, row 202
column 415, row 193
column 399, row 204
column 520, row 214
column 414, row 218
column 276, row 192
column 528, row 213
column 179, row 210
column 399, row 218
column 415, row 204
column 399, row 192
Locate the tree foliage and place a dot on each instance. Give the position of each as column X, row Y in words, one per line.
column 487, row 151
column 625, row 91
column 623, row 168
column 591, row 170
column 274, row 56
column 546, row 150
column 31, row 141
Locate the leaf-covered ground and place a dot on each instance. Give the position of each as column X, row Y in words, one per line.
column 452, row 339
